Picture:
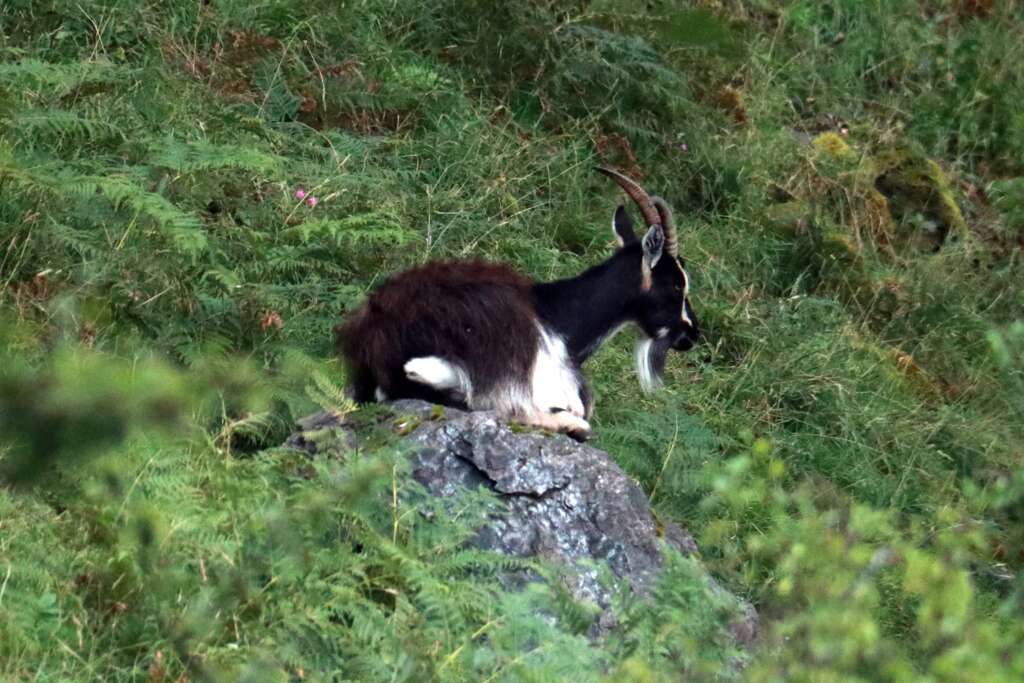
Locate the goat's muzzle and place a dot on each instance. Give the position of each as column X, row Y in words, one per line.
column 685, row 337
column 685, row 341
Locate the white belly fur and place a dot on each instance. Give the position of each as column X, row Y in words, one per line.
column 552, row 385
column 554, row 382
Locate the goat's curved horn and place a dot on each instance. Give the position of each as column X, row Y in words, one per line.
column 636, row 193
column 668, row 224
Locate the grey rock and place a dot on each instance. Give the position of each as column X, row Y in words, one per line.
column 563, row 501
column 319, row 428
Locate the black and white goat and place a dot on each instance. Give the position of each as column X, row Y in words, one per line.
column 481, row 336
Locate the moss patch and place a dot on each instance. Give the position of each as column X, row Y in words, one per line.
column 920, row 197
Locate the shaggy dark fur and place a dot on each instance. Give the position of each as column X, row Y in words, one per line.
column 480, row 315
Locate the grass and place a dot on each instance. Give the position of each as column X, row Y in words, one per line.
column 845, row 444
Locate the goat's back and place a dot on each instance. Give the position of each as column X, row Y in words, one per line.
column 478, row 315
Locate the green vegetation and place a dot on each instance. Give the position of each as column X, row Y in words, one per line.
column 847, row 445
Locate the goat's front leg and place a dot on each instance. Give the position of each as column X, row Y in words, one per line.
column 558, row 420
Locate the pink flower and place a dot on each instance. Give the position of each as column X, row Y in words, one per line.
column 312, row 201
column 684, row 147
column 300, row 193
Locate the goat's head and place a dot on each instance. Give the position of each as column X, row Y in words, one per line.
column 663, row 309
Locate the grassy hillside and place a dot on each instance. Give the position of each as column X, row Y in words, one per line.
column 846, row 444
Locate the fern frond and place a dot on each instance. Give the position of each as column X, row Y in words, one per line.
column 328, row 395
column 197, row 156
column 33, row 123
column 185, row 231
column 82, row 243
column 59, row 79
column 370, row 226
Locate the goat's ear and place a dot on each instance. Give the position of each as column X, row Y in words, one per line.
column 622, row 226
column 653, row 243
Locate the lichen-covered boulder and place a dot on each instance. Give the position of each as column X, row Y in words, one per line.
column 562, row 501
column 904, row 198
column 920, row 196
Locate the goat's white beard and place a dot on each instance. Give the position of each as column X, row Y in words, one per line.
column 643, row 354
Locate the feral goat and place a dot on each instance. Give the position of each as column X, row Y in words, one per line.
column 480, row 336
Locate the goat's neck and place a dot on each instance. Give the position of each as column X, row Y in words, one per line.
column 586, row 310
